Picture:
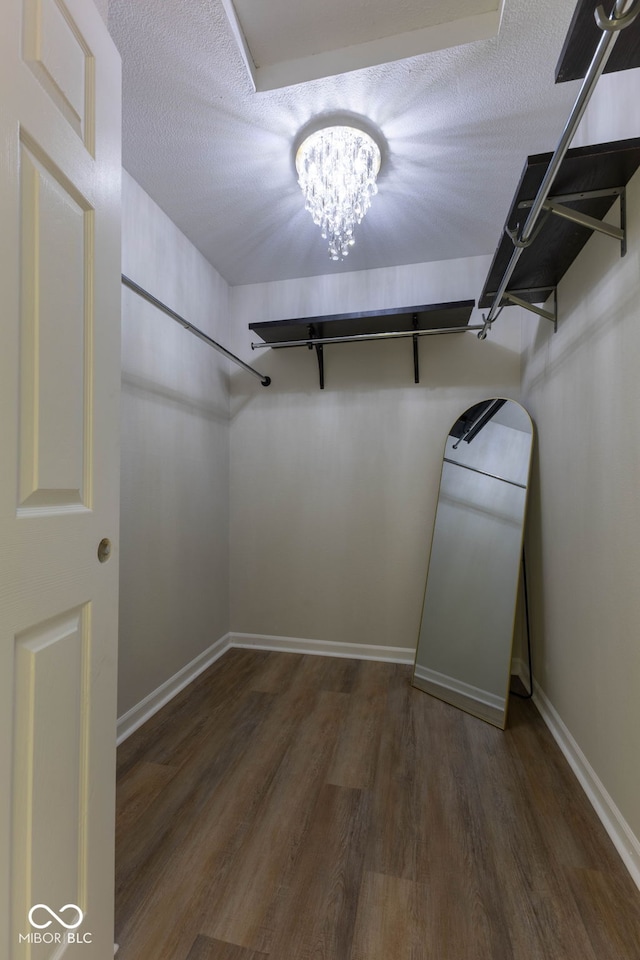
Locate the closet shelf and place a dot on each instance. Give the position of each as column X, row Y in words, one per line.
column 414, row 322
column 588, row 182
column 583, row 37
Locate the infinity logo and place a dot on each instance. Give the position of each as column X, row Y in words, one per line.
column 56, row 916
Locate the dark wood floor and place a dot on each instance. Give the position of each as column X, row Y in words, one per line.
column 306, row 808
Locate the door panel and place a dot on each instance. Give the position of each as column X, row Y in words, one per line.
column 60, row 57
column 50, row 762
column 59, row 476
column 56, row 227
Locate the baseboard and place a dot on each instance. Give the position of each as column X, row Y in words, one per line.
column 323, row 648
column 520, row 669
column 625, row 841
column 144, row 710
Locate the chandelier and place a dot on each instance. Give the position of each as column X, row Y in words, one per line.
column 337, row 169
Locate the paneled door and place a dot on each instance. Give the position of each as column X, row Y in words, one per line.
column 59, row 477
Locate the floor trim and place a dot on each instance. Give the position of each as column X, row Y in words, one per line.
column 144, row 710
column 625, row 841
column 323, row 648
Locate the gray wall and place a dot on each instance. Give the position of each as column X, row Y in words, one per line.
column 581, row 386
column 175, row 455
column 333, row 492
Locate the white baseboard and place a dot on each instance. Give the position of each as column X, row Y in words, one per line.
column 625, row 841
column 323, row 648
column 144, row 710
column 520, row 668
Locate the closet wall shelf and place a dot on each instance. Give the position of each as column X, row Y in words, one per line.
column 588, row 182
column 583, row 37
column 433, row 319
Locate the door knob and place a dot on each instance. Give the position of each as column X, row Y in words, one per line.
column 104, row 550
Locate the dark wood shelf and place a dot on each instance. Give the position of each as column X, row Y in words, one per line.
column 584, row 170
column 434, row 316
column 316, row 331
column 583, row 37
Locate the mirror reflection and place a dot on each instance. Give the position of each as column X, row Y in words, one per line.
column 466, row 634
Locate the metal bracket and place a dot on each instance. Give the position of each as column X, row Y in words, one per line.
column 416, row 358
column 600, row 226
column 312, row 333
column 515, row 236
column 546, row 314
column 320, row 356
column 556, row 205
column 574, row 197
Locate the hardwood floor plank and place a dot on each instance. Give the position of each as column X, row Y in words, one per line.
column 446, row 839
column 608, row 907
column 355, row 759
column 545, row 924
column 170, row 819
column 325, row 883
column 137, row 790
column 277, row 672
column 204, row 948
column 165, row 733
column 248, row 900
column 570, row 826
column 391, row 921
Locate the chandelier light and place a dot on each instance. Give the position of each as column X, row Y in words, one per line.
column 337, row 169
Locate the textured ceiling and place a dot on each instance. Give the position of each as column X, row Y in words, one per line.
column 456, row 127
column 285, row 42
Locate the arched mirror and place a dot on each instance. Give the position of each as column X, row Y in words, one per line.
column 466, row 634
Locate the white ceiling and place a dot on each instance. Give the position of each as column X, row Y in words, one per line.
column 284, row 43
column 456, row 126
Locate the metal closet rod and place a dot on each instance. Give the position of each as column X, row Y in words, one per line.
column 387, row 335
column 264, row 380
column 623, row 13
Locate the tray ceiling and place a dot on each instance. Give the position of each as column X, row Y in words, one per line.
column 291, row 41
column 456, row 125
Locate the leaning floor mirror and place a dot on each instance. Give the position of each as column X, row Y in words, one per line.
column 468, row 618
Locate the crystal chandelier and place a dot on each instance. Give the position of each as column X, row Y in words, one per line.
column 337, row 169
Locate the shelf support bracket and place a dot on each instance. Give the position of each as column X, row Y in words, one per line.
column 416, row 358
column 312, row 333
column 320, row 356
column 539, row 311
column 592, row 223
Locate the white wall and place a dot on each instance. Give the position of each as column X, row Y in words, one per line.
column 333, row 492
column 583, row 390
column 175, row 455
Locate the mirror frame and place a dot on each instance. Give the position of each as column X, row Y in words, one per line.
column 458, row 699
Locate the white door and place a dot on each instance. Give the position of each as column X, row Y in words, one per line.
column 59, row 476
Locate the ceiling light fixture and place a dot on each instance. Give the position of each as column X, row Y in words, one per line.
column 337, row 168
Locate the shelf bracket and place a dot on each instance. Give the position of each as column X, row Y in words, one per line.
column 312, row 333
column 320, row 356
column 416, row 358
column 592, row 223
column 539, row 311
